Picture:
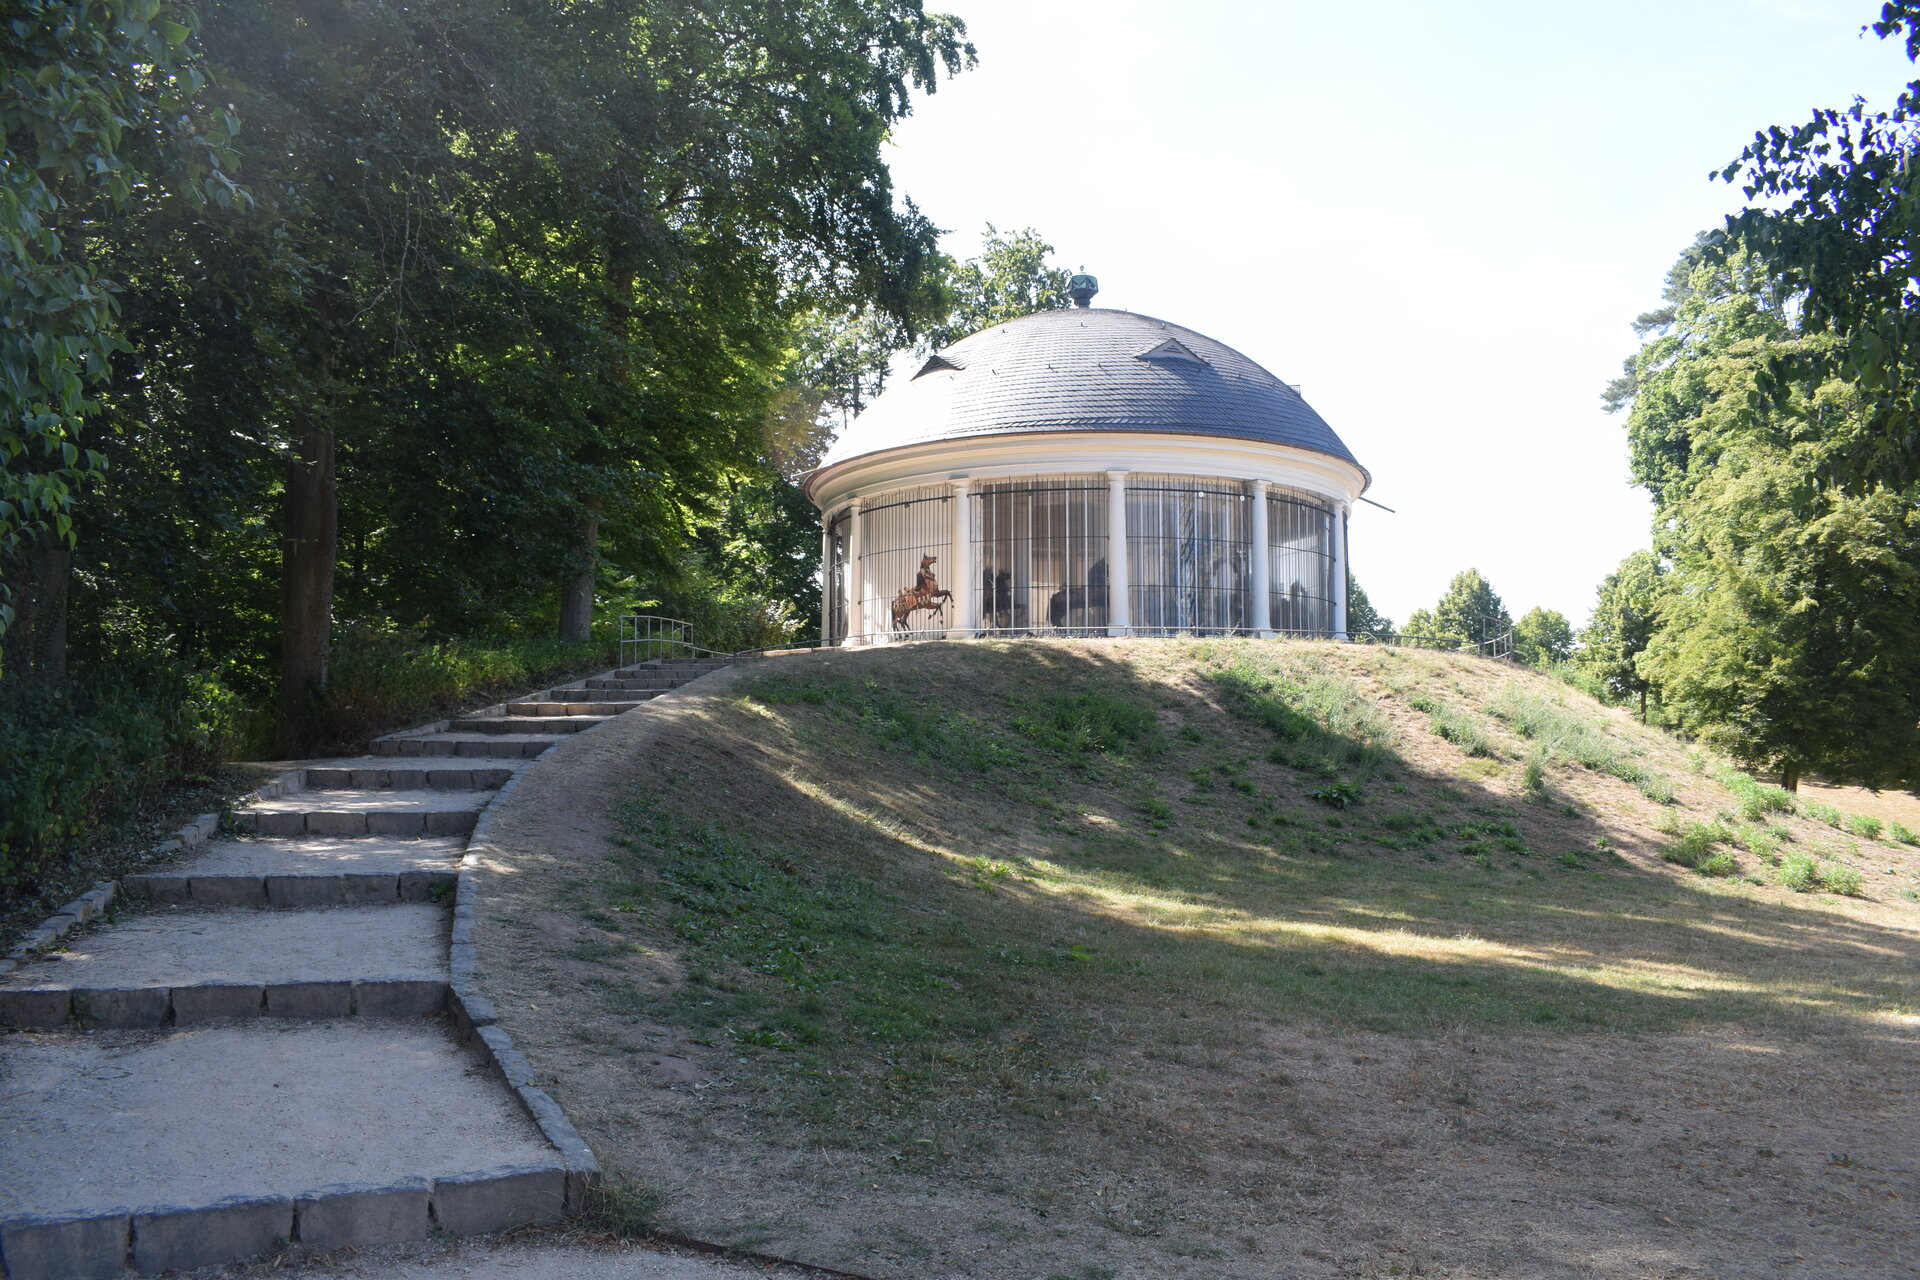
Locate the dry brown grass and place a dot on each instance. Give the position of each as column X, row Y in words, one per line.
column 957, row 1000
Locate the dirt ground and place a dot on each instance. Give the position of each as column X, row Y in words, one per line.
column 1268, row 1150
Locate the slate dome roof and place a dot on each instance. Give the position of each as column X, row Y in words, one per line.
column 1087, row 369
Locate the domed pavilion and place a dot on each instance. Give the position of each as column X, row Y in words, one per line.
column 1086, row 472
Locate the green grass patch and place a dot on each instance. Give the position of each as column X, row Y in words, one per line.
column 1756, row 799
column 1568, row 735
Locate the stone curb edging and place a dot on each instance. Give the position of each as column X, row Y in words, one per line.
column 146, row 1008
column 156, row 1238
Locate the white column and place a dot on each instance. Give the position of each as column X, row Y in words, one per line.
column 1340, row 571
column 856, row 575
column 1262, row 610
column 1119, row 595
column 963, row 578
column 826, row 576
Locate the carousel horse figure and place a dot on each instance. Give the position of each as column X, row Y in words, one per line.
column 925, row 593
column 1091, row 596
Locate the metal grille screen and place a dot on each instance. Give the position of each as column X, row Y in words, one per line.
column 897, row 531
column 1300, row 545
column 1189, row 550
column 1040, row 547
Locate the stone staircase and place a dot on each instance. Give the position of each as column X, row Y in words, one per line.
column 279, row 1042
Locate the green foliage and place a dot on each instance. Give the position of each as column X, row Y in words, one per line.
column 1620, row 628
column 1756, row 799
column 1542, row 637
column 1010, row 278
column 1836, row 225
column 108, row 102
column 1696, row 843
column 385, row 680
column 1336, row 795
column 1823, row 813
column 1565, row 734
column 1465, row 729
column 1325, row 722
column 1791, row 601
column 1078, row 723
column 1866, row 828
column 1898, row 832
column 79, row 761
column 1802, row 873
column 1471, row 609
column 1798, row 872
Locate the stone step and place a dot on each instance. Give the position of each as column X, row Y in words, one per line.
column 312, row 871
column 681, row 671
column 521, row 746
column 374, row 774
column 190, row 965
column 351, row 812
column 570, row 708
column 631, row 697
column 529, row 723
column 230, row 1139
column 636, row 684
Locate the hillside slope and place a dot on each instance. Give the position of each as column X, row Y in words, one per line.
column 1197, row 957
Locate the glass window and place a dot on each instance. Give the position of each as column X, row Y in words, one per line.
column 1040, row 547
column 1189, row 553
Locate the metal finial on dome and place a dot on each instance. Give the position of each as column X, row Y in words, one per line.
column 1081, row 289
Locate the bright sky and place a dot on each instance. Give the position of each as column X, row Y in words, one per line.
column 1439, row 219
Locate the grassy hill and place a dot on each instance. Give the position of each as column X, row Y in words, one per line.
column 1213, row 957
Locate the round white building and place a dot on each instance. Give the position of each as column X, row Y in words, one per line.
column 1086, row 472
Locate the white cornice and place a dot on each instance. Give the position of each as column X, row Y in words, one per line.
column 1000, row 457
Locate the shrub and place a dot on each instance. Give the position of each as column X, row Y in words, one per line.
column 1897, row 831
column 1823, row 813
column 80, row 760
column 1799, row 873
column 1762, row 841
column 1756, row 799
column 1722, row 863
column 1843, row 880
column 1696, row 842
column 1338, row 795
column 1866, row 828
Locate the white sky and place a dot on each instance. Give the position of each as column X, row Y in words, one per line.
column 1438, row 218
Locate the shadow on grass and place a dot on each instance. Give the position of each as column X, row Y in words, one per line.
column 954, row 862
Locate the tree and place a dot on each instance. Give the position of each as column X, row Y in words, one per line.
column 1784, row 628
column 1542, row 637
column 1362, row 617
column 107, row 100
column 1839, row 230
column 1473, row 610
column 1010, row 278
column 539, row 323
column 1623, row 622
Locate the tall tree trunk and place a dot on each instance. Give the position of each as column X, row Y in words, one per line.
column 309, row 546
column 1790, row 776
column 576, row 592
column 1643, row 706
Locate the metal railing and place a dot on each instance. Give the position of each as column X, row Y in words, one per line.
column 648, row 637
